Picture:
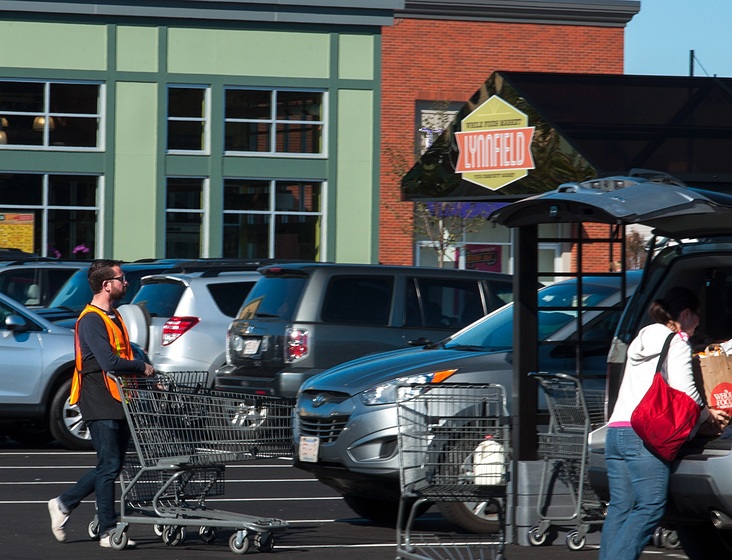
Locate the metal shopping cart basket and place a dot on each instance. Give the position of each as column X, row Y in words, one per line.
column 453, row 445
column 573, row 413
column 183, row 434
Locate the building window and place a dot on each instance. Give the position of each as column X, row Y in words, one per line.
column 273, row 219
column 274, row 121
column 188, row 118
column 49, row 215
column 50, row 114
column 184, row 212
column 433, row 117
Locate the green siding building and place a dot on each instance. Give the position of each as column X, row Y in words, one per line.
column 183, row 129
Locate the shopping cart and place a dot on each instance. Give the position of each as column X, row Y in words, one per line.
column 182, row 436
column 573, row 413
column 453, row 445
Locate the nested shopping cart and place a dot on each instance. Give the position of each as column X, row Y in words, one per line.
column 573, row 413
column 453, row 446
column 183, row 435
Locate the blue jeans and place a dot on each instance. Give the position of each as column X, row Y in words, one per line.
column 110, row 439
column 638, row 482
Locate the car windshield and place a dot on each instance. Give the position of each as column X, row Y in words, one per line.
column 76, row 293
column 273, row 297
column 160, row 298
column 495, row 332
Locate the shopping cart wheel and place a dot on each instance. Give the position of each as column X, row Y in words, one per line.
column 159, row 530
column 173, row 535
column 239, row 543
column 536, row 537
column 93, row 528
column 118, row 543
column 264, row 542
column 575, row 543
column 671, row 539
column 207, row 534
column 658, row 537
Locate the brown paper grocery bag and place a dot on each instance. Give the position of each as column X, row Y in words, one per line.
column 716, row 372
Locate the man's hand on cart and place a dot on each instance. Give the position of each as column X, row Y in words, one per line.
column 149, row 370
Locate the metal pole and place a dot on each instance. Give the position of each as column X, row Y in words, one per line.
column 691, row 63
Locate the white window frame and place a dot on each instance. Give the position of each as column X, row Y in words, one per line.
column 273, row 122
column 272, row 213
column 45, row 208
column 205, row 119
column 204, row 211
column 47, row 113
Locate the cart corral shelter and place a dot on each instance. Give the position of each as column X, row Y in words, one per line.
column 579, row 127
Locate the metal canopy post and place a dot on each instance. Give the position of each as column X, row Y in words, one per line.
column 524, row 400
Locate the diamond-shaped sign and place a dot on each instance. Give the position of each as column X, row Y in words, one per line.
column 495, row 145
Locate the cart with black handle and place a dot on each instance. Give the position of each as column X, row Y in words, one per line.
column 182, row 436
column 573, row 413
column 453, row 446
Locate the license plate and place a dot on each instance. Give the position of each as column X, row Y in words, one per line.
column 309, row 449
column 251, row 346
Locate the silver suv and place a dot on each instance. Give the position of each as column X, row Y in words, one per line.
column 35, row 377
column 181, row 319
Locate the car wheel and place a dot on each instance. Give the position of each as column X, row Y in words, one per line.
column 381, row 511
column 67, row 425
column 476, row 517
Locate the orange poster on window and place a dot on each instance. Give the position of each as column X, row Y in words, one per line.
column 16, row 231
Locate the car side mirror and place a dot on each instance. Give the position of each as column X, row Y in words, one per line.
column 16, row 323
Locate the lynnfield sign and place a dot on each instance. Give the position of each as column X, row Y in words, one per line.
column 494, row 145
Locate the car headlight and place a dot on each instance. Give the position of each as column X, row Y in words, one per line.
column 386, row 393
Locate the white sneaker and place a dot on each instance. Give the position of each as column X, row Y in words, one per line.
column 106, row 542
column 58, row 519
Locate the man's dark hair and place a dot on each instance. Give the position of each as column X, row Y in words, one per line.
column 99, row 271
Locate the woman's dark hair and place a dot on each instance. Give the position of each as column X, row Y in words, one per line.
column 675, row 301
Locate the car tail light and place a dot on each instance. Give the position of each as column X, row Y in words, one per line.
column 296, row 344
column 177, row 326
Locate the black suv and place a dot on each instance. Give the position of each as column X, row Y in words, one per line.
column 300, row 319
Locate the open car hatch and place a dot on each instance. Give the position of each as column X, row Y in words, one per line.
column 671, row 209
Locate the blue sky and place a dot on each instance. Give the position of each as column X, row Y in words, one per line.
column 658, row 39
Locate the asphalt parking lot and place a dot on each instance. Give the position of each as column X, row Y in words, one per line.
column 319, row 522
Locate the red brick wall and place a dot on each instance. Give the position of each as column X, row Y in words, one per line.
column 434, row 60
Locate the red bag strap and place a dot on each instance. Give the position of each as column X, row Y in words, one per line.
column 664, row 351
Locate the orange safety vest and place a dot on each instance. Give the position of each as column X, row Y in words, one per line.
column 120, row 341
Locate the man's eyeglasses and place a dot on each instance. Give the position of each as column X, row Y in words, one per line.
column 120, row 278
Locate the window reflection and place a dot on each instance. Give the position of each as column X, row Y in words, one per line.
column 274, row 121
column 272, row 219
column 51, row 114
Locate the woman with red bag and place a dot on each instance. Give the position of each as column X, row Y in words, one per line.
column 638, row 479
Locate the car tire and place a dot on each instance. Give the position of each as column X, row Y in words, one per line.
column 66, row 423
column 380, row 511
column 476, row 517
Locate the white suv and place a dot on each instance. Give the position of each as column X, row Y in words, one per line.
column 181, row 319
